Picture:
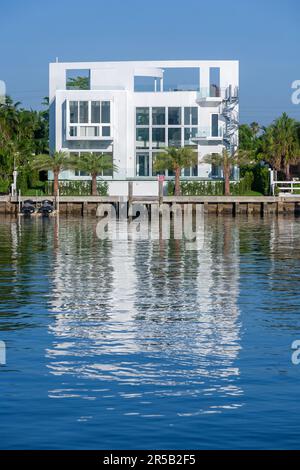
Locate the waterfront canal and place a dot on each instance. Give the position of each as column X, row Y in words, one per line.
column 131, row 344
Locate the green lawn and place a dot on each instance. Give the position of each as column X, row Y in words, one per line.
column 252, row 193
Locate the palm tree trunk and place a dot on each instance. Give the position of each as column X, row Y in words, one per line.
column 94, row 185
column 55, row 184
column 227, row 182
column 177, row 182
column 287, row 172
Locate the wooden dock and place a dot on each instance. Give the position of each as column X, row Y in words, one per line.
column 88, row 205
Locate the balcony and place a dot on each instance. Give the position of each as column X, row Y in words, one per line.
column 210, row 96
column 214, row 95
column 207, row 134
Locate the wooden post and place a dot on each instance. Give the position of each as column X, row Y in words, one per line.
column 264, row 208
column 84, row 208
column 130, row 197
column 206, row 208
column 279, row 207
column 160, row 191
column 19, row 201
column 236, row 208
column 220, row 208
column 69, row 208
column 249, row 208
column 130, row 192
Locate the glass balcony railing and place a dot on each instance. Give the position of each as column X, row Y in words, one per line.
column 209, row 133
column 217, row 92
column 211, row 92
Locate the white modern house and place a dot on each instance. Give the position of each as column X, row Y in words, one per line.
column 132, row 110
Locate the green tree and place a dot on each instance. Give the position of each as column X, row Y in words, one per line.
column 255, row 128
column 23, row 134
column 56, row 163
column 227, row 161
column 248, row 138
column 94, row 164
column 280, row 144
column 176, row 159
column 79, row 83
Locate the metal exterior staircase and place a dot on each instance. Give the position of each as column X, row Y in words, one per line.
column 230, row 112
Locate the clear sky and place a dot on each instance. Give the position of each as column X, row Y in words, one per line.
column 264, row 35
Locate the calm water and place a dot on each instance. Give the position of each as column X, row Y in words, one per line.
column 146, row 344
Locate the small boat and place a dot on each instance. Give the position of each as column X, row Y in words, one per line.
column 46, row 207
column 28, row 207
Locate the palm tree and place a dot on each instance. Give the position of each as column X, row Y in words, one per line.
column 228, row 161
column 280, row 144
column 94, row 164
column 255, row 128
column 56, row 163
column 176, row 159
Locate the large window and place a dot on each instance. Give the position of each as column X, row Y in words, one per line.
column 215, row 125
column 158, row 127
column 74, row 112
column 105, row 112
column 189, row 134
column 78, row 79
column 191, row 116
column 95, row 112
column 84, row 112
column 174, row 137
column 83, row 173
column 89, row 119
column 142, row 116
column 105, row 131
column 142, row 138
column 214, row 82
column 158, row 137
column 73, row 131
column 174, row 116
column 89, row 131
column 158, row 116
column 216, row 171
column 80, row 111
column 142, row 164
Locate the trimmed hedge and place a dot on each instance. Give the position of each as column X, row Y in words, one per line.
column 212, row 188
column 78, row 188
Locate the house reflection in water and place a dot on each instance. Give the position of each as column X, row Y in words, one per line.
column 147, row 319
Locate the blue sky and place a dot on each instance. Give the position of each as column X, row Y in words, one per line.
column 263, row 35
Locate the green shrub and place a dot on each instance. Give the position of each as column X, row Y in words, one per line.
column 261, row 178
column 212, row 188
column 33, row 192
column 261, row 181
column 78, row 188
column 23, row 180
column 4, row 186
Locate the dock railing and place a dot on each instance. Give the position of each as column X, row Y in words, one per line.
column 287, row 187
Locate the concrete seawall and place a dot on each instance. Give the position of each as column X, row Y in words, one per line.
column 81, row 206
